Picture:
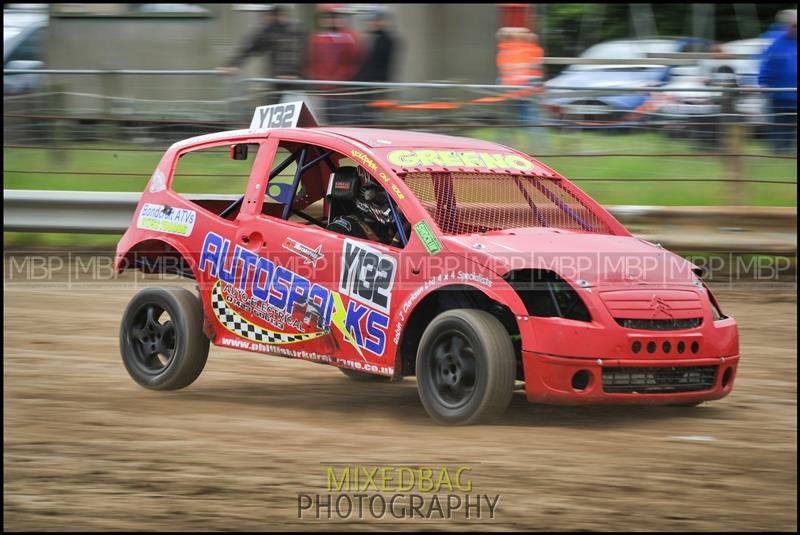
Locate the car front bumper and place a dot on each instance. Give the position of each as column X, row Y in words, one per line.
column 583, row 381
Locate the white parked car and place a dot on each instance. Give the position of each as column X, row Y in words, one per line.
column 23, row 48
column 682, row 103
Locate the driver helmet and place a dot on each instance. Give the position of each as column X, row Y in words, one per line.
column 371, row 199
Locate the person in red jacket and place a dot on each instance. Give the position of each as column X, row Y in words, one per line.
column 334, row 54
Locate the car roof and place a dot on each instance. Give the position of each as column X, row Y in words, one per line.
column 377, row 138
column 383, row 138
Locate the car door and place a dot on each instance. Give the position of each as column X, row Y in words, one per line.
column 327, row 296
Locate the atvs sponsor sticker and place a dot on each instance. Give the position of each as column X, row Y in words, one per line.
column 162, row 218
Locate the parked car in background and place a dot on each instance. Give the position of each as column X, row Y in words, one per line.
column 23, row 40
column 686, row 104
column 605, row 107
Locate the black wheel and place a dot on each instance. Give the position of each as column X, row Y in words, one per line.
column 465, row 367
column 356, row 375
column 161, row 338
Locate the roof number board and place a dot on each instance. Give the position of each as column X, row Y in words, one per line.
column 277, row 116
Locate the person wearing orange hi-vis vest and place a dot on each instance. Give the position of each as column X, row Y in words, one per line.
column 519, row 62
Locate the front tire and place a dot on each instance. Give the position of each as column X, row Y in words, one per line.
column 465, row 367
column 161, row 338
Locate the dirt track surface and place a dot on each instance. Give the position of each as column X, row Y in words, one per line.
column 88, row 449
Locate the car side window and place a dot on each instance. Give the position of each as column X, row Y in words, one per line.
column 333, row 192
column 359, row 206
column 215, row 177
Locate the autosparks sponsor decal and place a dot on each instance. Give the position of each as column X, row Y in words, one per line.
column 360, row 492
column 264, row 281
column 235, row 323
column 444, row 158
column 162, row 218
column 311, row 256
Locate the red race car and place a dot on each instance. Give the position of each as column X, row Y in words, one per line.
column 388, row 254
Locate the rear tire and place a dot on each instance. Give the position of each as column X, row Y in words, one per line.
column 465, row 367
column 163, row 354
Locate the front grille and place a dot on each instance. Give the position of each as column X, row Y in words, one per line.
column 660, row 325
column 659, row 380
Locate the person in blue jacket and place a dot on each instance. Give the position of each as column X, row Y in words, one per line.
column 781, row 24
column 779, row 69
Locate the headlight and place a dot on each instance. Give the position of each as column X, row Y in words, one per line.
column 546, row 294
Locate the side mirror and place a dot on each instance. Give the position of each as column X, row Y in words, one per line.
column 239, row 152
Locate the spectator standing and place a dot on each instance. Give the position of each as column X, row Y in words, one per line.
column 333, row 54
column 381, row 49
column 779, row 69
column 519, row 62
column 781, row 24
column 283, row 38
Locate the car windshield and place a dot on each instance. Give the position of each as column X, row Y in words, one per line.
column 464, row 203
column 626, row 50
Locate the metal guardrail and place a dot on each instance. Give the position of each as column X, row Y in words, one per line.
column 680, row 228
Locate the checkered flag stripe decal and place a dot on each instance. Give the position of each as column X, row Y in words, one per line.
column 241, row 327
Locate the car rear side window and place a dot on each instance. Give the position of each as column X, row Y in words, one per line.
column 213, row 170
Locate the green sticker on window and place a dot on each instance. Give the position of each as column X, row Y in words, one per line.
column 428, row 237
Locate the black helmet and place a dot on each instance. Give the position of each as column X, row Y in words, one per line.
column 371, row 199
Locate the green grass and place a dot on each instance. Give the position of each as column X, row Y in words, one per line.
column 586, row 171
column 59, row 242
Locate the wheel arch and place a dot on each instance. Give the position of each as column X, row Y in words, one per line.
column 444, row 298
column 157, row 255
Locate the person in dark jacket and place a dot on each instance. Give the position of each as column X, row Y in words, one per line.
column 378, row 60
column 779, row 70
column 284, row 40
column 380, row 53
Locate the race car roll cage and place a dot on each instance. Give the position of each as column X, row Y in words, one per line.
column 299, row 156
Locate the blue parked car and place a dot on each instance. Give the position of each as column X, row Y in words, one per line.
column 610, row 107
